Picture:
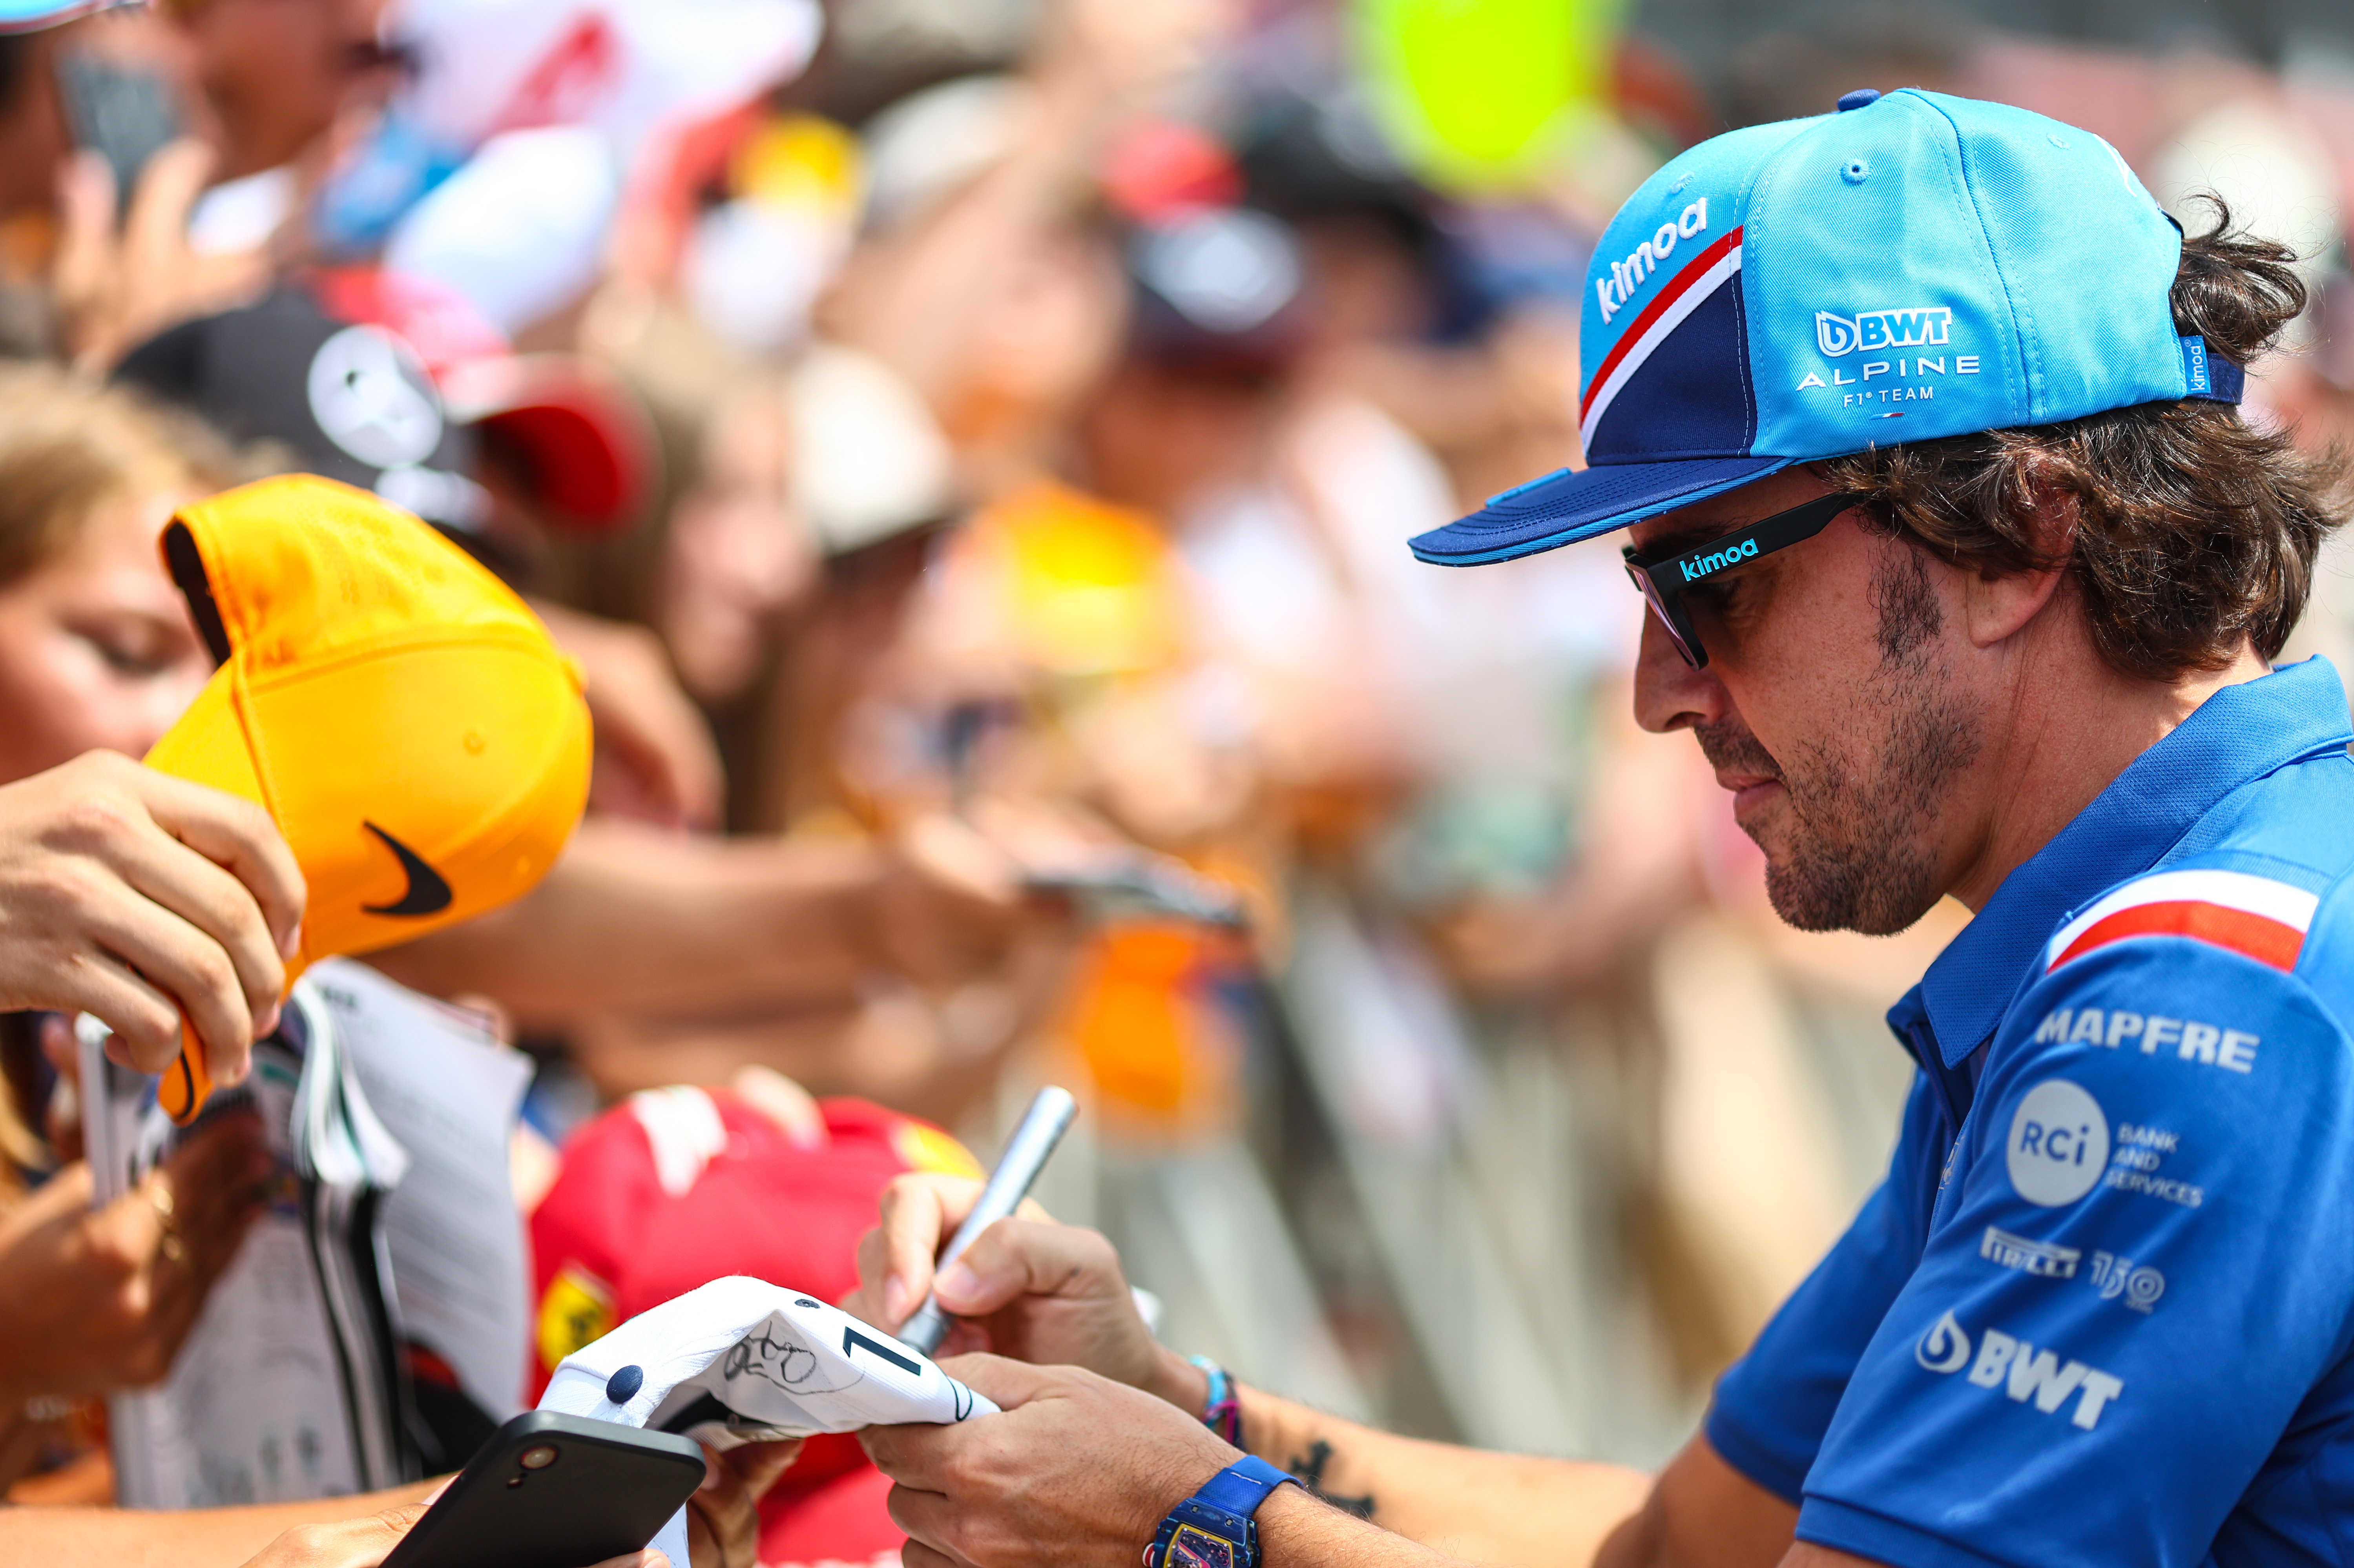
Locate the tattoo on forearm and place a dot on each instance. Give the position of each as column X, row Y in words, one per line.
column 1309, row 1468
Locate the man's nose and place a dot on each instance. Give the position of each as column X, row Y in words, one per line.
column 1670, row 695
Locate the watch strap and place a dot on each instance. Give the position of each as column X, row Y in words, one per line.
column 1242, row 1485
column 1222, row 1509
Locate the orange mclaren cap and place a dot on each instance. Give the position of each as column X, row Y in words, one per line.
column 399, row 713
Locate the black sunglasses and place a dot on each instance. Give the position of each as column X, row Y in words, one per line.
column 1663, row 582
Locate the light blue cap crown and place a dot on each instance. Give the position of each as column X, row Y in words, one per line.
column 1916, row 266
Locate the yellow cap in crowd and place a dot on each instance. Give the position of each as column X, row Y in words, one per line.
column 400, row 714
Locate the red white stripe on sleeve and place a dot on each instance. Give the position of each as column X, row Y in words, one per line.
column 2265, row 920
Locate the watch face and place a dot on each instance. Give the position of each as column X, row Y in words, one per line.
column 1192, row 1548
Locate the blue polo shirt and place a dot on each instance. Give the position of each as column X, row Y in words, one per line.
column 2101, row 1311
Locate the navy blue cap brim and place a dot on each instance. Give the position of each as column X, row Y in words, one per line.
column 1563, row 508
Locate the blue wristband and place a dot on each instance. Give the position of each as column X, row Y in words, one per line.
column 1222, row 1413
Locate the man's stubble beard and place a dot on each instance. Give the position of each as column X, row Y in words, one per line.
column 1860, row 854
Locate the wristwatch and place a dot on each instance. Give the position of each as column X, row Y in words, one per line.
column 1214, row 1527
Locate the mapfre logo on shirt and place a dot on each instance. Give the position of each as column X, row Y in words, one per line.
column 2025, row 1375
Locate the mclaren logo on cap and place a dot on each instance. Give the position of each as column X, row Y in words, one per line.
column 426, row 893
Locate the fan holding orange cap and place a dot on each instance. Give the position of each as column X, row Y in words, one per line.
column 405, row 720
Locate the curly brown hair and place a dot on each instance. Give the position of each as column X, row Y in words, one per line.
column 2195, row 533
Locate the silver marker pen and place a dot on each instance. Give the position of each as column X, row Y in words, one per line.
column 1042, row 1128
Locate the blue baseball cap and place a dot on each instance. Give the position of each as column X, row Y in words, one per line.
column 1914, row 265
column 32, row 15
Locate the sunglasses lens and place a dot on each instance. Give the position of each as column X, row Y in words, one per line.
column 1659, row 608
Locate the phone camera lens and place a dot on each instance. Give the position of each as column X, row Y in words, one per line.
column 538, row 1459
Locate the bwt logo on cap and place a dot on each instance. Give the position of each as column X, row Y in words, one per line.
column 1871, row 331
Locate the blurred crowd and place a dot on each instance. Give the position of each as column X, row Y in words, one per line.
column 968, row 445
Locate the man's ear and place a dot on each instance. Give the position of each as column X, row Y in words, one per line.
column 2000, row 605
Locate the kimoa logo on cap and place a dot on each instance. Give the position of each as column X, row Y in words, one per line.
column 1626, row 276
column 426, row 893
column 1869, row 331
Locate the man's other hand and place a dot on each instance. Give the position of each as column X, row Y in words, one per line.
column 140, row 897
column 1076, row 1473
column 1029, row 1289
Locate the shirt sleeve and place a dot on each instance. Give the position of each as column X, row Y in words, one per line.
column 1773, row 1405
column 2155, row 1180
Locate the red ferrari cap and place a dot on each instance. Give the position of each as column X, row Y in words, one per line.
column 677, row 1187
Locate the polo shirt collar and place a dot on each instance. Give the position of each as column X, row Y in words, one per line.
column 2237, row 736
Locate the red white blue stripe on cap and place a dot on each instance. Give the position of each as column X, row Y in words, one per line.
column 1691, row 288
column 2253, row 915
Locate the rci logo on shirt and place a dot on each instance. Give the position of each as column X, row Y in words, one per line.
column 2019, row 1370
column 2059, row 1144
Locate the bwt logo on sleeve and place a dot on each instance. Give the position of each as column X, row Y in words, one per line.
column 2019, row 1370
column 2059, row 1144
column 1870, row 331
